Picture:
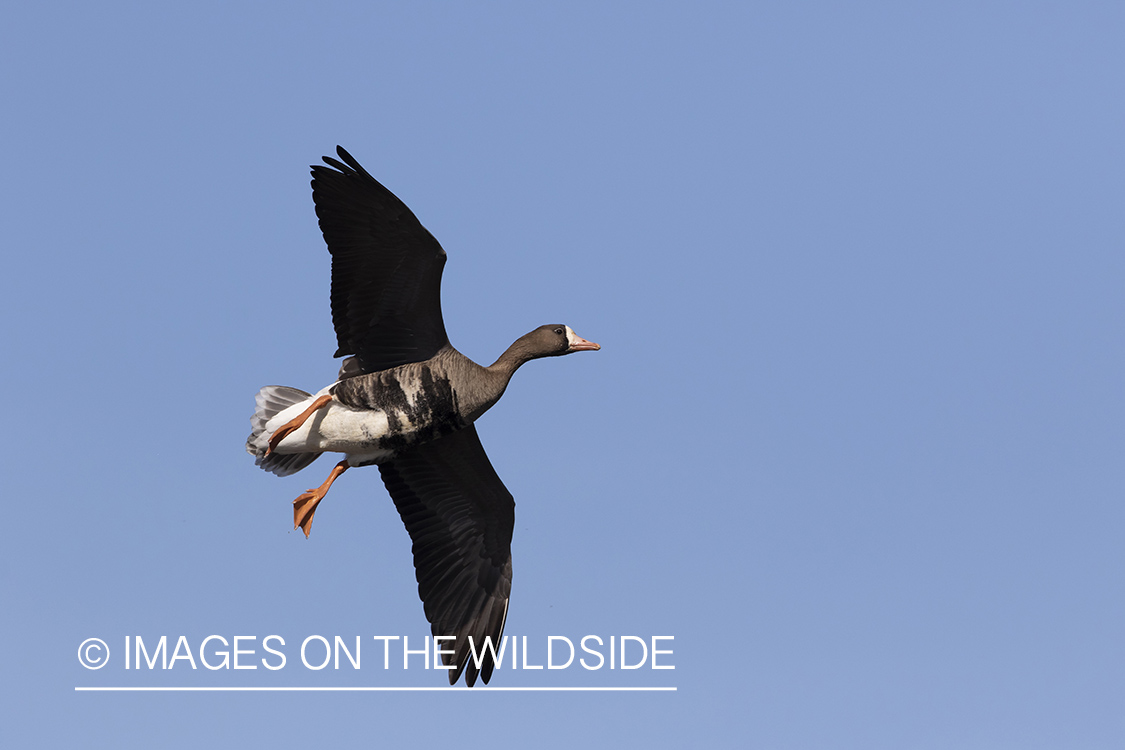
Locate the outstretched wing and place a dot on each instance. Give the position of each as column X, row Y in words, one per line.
column 460, row 518
column 386, row 269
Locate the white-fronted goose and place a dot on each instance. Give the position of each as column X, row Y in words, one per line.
column 406, row 400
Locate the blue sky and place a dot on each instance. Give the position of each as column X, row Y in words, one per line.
column 854, row 438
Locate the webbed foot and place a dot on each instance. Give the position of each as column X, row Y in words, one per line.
column 305, row 505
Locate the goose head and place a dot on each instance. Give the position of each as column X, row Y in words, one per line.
column 545, row 341
column 554, row 340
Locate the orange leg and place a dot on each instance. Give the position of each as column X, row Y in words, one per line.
column 305, row 505
column 293, row 424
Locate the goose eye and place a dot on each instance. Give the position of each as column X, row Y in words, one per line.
column 559, row 331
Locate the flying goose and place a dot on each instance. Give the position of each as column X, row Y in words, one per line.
column 406, row 401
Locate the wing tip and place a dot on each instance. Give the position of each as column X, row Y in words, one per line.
column 348, row 166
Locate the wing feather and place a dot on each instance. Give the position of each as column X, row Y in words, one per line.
column 460, row 518
column 386, row 269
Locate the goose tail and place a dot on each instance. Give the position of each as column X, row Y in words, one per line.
column 271, row 401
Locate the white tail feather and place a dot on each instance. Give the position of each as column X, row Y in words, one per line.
column 271, row 401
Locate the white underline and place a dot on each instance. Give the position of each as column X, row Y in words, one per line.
column 368, row 689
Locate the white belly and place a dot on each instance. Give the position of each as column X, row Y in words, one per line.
column 334, row 428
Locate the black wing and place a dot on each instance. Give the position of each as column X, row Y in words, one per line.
column 386, row 269
column 460, row 517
